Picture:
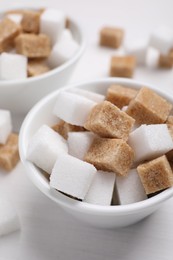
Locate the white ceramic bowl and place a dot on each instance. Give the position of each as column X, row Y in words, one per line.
column 100, row 216
column 20, row 95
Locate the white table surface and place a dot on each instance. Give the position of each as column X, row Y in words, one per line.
column 49, row 233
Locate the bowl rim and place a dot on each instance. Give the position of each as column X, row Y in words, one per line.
column 73, row 59
column 65, row 201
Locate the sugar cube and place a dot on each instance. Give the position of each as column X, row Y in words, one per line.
column 101, row 189
column 130, row 188
column 74, row 182
column 138, row 49
column 79, row 143
column 88, row 94
column 13, row 66
column 166, row 61
column 30, row 21
column 44, row 144
column 111, row 37
column 37, row 67
column 72, row 108
column 122, row 66
column 5, row 125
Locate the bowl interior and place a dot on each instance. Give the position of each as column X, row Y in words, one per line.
column 42, row 114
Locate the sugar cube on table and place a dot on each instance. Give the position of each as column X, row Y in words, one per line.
column 113, row 155
column 13, row 66
column 166, row 61
column 30, row 21
column 33, row 45
column 9, row 220
column 162, row 39
column 111, row 37
column 72, row 176
column 88, row 94
column 16, row 18
column 130, row 188
column 62, row 51
column 122, row 66
column 156, row 175
column 150, row 141
column 79, row 143
column 107, row 120
column 5, row 125
column 101, row 189
column 8, row 31
column 44, row 148
column 9, row 153
column 152, row 58
column 120, row 95
column 138, row 49
column 52, row 23
column 148, row 107
column 72, row 108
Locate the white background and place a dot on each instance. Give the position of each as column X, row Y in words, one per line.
column 49, row 233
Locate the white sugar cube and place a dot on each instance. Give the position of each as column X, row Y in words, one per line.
column 67, row 34
column 130, row 188
column 88, row 94
column 79, row 143
column 152, row 58
column 138, row 49
column 44, row 148
column 52, row 23
column 73, row 109
column 162, row 39
column 9, row 220
column 13, row 66
column 150, row 141
column 5, row 125
column 17, row 18
column 72, row 176
column 101, row 189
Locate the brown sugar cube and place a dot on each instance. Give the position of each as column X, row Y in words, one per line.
column 110, row 155
column 111, row 37
column 107, row 120
column 122, row 66
column 156, row 175
column 119, row 95
column 37, row 67
column 170, row 120
column 149, row 108
column 166, row 61
column 9, row 154
column 63, row 128
column 67, row 23
column 31, row 22
column 32, row 45
column 8, row 31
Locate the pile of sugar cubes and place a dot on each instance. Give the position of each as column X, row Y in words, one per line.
column 32, row 42
column 9, row 157
column 156, row 51
column 103, row 149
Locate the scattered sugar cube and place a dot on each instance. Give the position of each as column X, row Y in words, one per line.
column 79, row 143
column 44, row 144
column 148, row 107
column 9, row 153
column 8, row 31
column 162, row 39
column 111, row 37
column 5, row 125
column 37, row 67
column 120, row 95
column 52, row 23
column 88, row 94
column 32, row 45
column 122, row 66
column 113, row 155
column 74, row 182
column 107, row 120
column 62, row 51
column 138, row 49
column 101, row 189
column 9, row 220
column 130, row 188
column 13, row 66
column 166, row 61
column 152, row 58
column 63, row 128
column 31, row 21
column 150, row 141
column 72, row 108
column 156, row 175
column 16, row 18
